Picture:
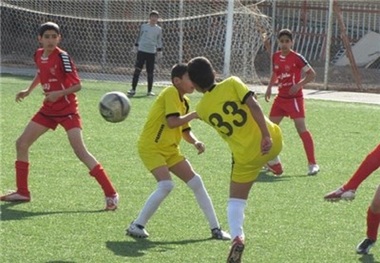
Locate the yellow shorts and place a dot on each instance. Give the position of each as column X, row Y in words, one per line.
column 248, row 172
column 153, row 157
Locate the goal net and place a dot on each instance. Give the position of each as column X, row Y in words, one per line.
column 100, row 34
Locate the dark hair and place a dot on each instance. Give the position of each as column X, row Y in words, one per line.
column 48, row 26
column 201, row 72
column 154, row 13
column 178, row 70
column 285, row 32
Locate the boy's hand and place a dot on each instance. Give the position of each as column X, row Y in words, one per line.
column 52, row 96
column 266, row 145
column 21, row 95
column 294, row 89
column 159, row 55
column 268, row 94
column 200, row 146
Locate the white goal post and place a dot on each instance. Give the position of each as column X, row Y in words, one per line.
column 100, row 34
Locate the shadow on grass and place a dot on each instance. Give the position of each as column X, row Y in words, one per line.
column 268, row 177
column 139, row 247
column 141, row 97
column 368, row 259
column 11, row 214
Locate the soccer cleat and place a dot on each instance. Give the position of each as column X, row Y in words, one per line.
column 276, row 169
column 340, row 194
column 136, row 230
column 236, row 251
column 150, row 93
column 218, row 233
column 15, row 197
column 131, row 93
column 365, row 246
column 111, row 202
column 313, row 169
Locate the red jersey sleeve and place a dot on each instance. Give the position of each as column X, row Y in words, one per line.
column 68, row 68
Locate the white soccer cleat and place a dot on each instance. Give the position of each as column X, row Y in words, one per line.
column 340, row 194
column 218, row 233
column 313, row 169
column 111, row 202
column 136, row 230
column 131, row 93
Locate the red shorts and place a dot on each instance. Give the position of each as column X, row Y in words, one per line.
column 68, row 122
column 288, row 107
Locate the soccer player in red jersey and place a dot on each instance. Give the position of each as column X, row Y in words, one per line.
column 59, row 79
column 288, row 67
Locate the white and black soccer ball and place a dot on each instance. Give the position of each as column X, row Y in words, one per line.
column 114, row 106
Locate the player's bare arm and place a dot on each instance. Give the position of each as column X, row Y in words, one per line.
column 53, row 96
column 176, row 121
column 258, row 116
column 272, row 82
column 189, row 136
column 309, row 77
column 24, row 93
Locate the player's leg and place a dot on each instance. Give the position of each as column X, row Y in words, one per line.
column 31, row 133
column 140, row 60
column 74, row 134
column 235, row 212
column 185, row 172
column 308, row 144
column 164, row 186
column 277, row 112
column 276, row 115
column 373, row 221
column 150, row 59
column 296, row 110
column 367, row 167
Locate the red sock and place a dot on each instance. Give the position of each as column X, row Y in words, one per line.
column 22, row 172
column 373, row 221
column 368, row 165
column 102, row 178
column 308, row 145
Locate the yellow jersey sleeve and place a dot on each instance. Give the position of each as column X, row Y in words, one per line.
column 156, row 131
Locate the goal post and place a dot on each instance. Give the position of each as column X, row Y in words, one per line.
column 100, row 34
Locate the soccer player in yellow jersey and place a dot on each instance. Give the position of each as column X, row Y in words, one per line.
column 232, row 110
column 158, row 146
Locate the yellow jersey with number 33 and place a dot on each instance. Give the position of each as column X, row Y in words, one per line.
column 223, row 107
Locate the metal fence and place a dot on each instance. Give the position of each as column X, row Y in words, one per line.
column 345, row 52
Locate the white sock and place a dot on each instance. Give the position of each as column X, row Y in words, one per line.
column 154, row 201
column 274, row 161
column 204, row 200
column 235, row 213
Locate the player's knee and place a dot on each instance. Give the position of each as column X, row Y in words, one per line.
column 165, row 186
column 22, row 145
column 195, row 183
column 137, row 72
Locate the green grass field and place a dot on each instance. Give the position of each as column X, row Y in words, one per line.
column 286, row 218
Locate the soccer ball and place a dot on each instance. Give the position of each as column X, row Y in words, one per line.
column 114, row 106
